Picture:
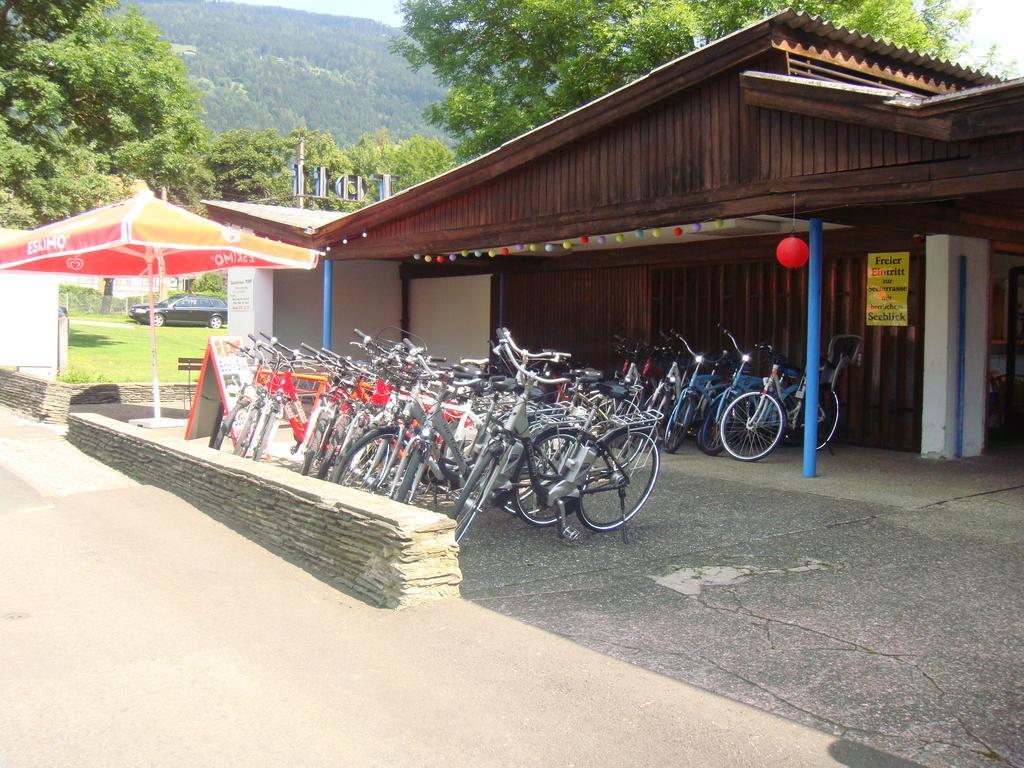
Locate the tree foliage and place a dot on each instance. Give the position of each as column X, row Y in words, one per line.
column 511, row 65
column 90, row 100
column 255, row 165
column 265, row 67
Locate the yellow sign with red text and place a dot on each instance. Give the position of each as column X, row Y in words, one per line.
column 887, row 288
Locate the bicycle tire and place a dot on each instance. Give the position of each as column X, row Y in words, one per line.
column 410, row 480
column 636, row 454
column 266, row 431
column 828, row 423
column 828, row 420
column 676, row 433
column 752, row 426
column 314, row 449
column 217, row 438
column 468, row 503
column 547, row 461
column 708, row 438
column 370, row 473
column 246, row 432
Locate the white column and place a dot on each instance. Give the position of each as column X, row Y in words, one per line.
column 942, row 347
column 250, row 301
column 28, row 323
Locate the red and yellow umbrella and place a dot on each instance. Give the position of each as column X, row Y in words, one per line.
column 144, row 236
column 129, row 238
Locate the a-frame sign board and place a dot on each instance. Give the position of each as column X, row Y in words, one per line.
column 223, row 377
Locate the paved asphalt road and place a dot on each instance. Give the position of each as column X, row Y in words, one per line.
column 896, row 625
column 837, row 629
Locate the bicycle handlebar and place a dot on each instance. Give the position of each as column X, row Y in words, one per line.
column 507, row 349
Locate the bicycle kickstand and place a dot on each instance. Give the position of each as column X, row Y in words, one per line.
column 622, row 510
column 568, row 532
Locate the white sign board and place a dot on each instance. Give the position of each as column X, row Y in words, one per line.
column 240, row 295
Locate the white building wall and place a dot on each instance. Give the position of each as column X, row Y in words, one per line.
column 28, row 323
column 250, row 301
column 452, row 315
column 366, row 294
column 942, row 348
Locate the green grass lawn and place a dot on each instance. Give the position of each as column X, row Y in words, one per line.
column 114, row 317
column 106, row 353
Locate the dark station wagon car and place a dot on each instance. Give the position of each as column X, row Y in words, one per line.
column 183, row 309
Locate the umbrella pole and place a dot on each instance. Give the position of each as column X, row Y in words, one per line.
column 152, row 343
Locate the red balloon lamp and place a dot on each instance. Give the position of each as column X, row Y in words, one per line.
column 791, row 252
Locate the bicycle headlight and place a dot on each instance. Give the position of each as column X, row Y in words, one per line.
column 699, row 359
column 746, row 358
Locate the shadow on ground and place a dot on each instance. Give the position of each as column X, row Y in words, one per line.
column 894, row 629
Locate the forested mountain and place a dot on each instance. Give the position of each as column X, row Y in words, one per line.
column 265, row 67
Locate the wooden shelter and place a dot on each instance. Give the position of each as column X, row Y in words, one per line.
column 889, row 147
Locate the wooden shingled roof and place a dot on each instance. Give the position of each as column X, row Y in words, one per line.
column 791, row 63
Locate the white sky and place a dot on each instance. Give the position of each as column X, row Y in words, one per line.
column 994, row 21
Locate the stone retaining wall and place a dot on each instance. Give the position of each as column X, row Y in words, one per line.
column 50, row 401
column 389, row 554
column 34, row 397
column 170, row 394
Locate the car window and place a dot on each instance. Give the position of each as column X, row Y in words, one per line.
column 185, row 303
column 218, row 303
column 202, row 301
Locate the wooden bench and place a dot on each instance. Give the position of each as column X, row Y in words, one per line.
column 192, row 365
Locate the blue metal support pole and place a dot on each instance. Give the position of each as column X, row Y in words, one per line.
column 813, row 358
column 328, row 301
column 961, row 372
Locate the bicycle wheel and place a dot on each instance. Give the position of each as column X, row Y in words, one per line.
column 548, row 451
column 369, row 462
column 752, row 426
column 224, row 428
column 675, row 434
column 708, row 436
column 828, row 419
column 267, row 430
column 247, row 431
column 314, row 455
column 412, row 475
column 828, row 416
column 620, row 480
column 477, row 488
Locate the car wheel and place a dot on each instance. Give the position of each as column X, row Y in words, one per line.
column 158, row 320
column 216, row 321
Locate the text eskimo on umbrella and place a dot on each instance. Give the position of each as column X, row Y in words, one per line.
column 46, row 244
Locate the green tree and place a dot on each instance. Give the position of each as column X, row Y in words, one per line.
column 91, row 100
column 511, row 65
column 417, row 159
column 250, row 165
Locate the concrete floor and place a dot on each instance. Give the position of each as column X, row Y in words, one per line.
column 880, row 602
column 878, row 605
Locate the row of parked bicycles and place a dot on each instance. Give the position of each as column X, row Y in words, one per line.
column 521, row 431
column 745, row 403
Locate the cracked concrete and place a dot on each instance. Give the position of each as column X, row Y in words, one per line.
column 908, row 647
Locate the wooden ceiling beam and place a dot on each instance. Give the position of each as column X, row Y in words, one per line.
column 818, row 194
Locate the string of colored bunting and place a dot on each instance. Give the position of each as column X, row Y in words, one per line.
column 566, row 245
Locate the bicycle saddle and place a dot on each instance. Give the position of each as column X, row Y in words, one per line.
column 504, row 384
column 612, row 389
column 586, row 375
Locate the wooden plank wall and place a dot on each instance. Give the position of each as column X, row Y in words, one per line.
column 759, row 301
column 701, row 139
column 577, row 311
column 762, row 302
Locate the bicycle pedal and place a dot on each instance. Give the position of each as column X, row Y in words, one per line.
column 570, row 534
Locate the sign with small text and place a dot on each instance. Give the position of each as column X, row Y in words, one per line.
column 888, row 284
column 224, row 376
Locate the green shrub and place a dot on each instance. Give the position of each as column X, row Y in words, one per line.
column 73, row 376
